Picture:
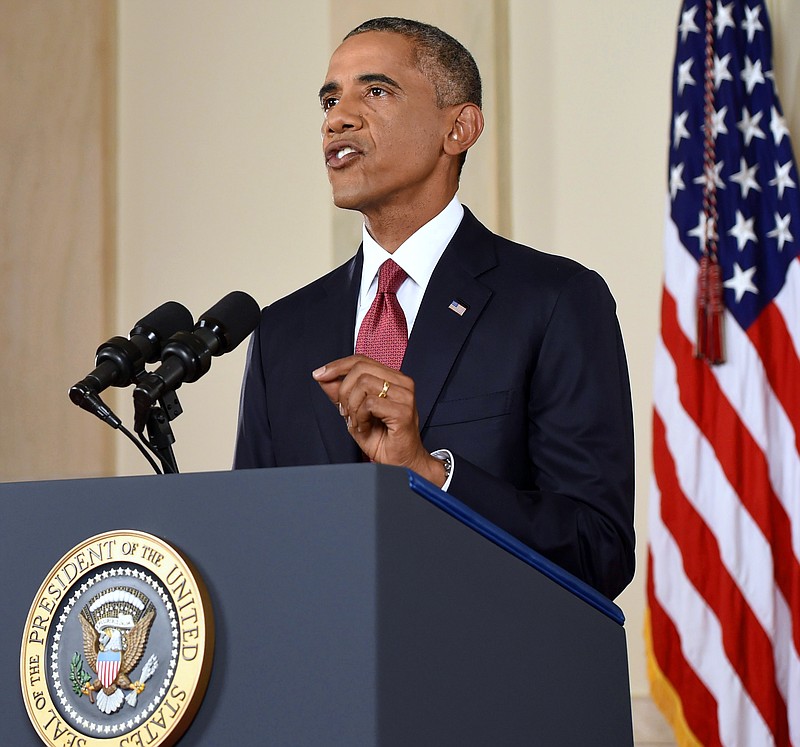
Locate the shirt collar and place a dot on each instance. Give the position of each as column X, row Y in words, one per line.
column 419, row 253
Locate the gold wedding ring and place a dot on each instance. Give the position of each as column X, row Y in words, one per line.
column 385, row 389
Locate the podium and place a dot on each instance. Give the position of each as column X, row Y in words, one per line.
column 353, row 604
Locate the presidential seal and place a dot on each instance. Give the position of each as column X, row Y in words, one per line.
column 118, row 645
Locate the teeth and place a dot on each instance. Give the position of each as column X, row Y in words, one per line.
column 344, row 151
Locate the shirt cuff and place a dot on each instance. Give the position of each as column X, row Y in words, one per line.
column 441, row 455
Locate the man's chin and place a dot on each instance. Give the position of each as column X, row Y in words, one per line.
column 346, row 201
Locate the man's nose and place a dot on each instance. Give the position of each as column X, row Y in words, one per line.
column 343, row 116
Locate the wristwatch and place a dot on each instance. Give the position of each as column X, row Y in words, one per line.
column 447, row 463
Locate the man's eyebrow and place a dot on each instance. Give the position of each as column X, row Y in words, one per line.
column 378, row 78
column 328, row 88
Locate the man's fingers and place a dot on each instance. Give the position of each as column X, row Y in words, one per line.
column 339, row 368
column 392, row 410
column 331, row 375
column 347, row 381
column 379, row 408
column 354, row 395
column 387, row 387
column 365, row 380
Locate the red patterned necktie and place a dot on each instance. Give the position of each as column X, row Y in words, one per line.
column 384, row 334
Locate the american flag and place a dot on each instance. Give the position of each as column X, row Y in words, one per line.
column 723, row 587
column 458, row 307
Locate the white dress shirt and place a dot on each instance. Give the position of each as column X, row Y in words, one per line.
column 418, row 255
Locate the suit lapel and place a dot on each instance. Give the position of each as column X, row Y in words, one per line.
column 438, row 335
column 439, row 332
column 330, row 320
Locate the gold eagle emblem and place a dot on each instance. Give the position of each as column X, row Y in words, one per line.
column 116, row 626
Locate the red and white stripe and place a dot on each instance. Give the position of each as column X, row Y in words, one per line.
column 724, row 576
column 107, row 671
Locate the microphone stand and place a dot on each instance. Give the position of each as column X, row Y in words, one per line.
column 159, row 431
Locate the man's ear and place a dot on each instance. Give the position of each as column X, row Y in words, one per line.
column 466, row 129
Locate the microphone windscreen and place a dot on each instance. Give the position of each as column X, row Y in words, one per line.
column 234, row 317
column 161, row 323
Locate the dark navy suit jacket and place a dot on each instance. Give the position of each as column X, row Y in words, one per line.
column 528, row 388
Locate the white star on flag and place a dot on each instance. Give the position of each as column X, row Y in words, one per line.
column 781, row 230
column 782, row 179
column 712, row 175
column 718, row 126
column 687, row 24
column 685, row 75
column 676, row 179
column 724, row 18
column 742, row 281
column 778, row 126
column 749, row 125
column 702, row 229
column 742, row 230
column 745, row 177
column 752, row 75
column 680, row 129
column 721, row 71
column 751, row 24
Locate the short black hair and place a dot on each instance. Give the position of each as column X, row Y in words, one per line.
column 445, row 61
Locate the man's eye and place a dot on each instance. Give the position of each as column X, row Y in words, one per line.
column 328, row 103
column 376, row 91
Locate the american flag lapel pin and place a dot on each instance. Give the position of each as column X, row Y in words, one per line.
column 458, row 307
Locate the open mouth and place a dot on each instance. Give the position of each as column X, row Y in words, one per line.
column 337, row 156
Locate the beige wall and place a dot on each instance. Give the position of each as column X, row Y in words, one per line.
column 220, row 184
column 590, row 124
column 785, row 19
column 220, row 178
column 57, row 195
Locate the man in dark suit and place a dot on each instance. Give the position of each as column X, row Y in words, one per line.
column 513, row 393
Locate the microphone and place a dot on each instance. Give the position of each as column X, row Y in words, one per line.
column 186, row 356
column 120, row 361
